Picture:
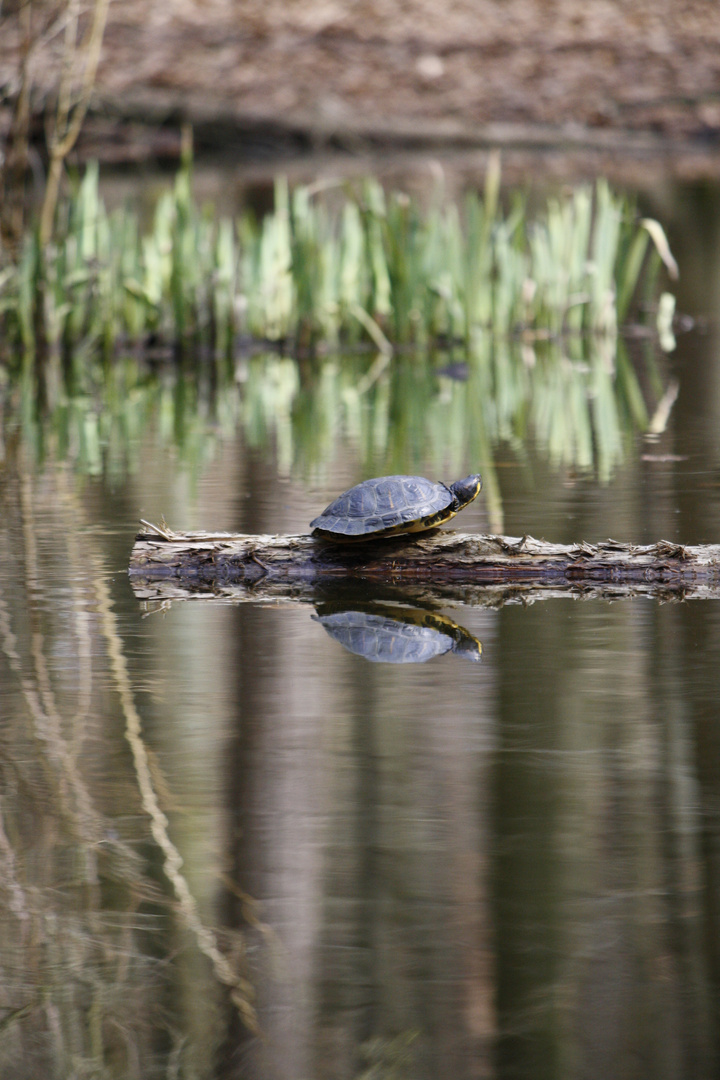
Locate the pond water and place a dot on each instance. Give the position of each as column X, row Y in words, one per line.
column 231, row 845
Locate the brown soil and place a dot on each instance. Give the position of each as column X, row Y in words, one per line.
column 615, row 75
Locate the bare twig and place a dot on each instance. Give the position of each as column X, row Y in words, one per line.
column 71, row 106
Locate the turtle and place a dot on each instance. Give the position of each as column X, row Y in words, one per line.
column 388, row 505
column 389, row 634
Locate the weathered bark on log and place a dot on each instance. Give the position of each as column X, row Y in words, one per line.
column 166, row 564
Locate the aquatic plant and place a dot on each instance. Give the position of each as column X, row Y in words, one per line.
column 377, row 267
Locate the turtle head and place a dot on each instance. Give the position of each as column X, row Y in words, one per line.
column 469, row 647
column 466, row 490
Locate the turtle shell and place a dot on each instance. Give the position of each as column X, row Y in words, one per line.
column 388, row 634
column 386, row 505
column 384, row 640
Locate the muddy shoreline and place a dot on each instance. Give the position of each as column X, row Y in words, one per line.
column 600, row 84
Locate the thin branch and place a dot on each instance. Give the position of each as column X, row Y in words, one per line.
column 70, row 116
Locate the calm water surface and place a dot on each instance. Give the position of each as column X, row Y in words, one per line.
column 231, row 846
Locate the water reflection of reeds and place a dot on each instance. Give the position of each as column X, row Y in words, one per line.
column 580, row 400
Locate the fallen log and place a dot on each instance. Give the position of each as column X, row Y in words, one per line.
column 165, row 564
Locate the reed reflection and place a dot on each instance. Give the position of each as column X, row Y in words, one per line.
column 579, row 400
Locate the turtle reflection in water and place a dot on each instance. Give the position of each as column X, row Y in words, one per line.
column 389, row 505
column 385, row 634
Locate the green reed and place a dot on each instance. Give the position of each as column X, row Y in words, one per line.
column 369, row 266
